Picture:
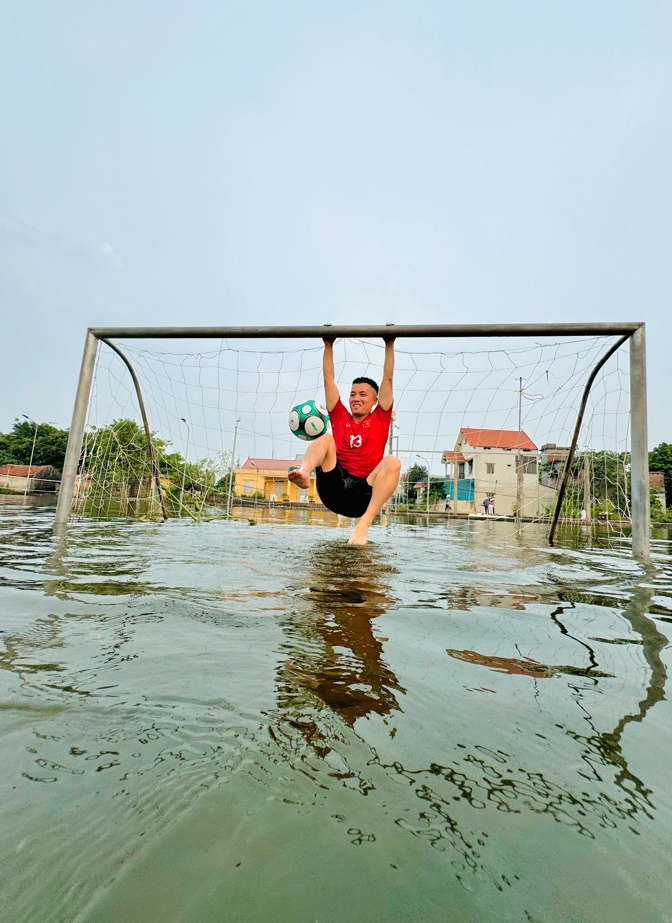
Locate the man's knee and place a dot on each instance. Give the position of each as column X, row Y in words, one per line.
column 323, row 442
column 326, row 439
column 390, row 465
column 326, row 452
column 393, row 464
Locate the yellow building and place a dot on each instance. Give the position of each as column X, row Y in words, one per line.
column 268, row 477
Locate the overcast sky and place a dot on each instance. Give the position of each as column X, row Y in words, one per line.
column 289, row 162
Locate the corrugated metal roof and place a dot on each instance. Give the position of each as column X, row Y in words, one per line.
column 497, row 438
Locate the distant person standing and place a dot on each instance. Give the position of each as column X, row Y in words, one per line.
column 486, row 506
column 491, row 506
column 448, row 509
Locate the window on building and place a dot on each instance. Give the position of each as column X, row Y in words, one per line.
column 248, row 488
column 529, row 465
column 279, row 488
column 490, row 468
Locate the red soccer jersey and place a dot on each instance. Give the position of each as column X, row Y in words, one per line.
column 360, row 446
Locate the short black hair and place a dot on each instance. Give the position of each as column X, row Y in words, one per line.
column 366, row 381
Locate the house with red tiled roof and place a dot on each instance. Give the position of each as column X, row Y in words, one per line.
column 501, row 465
column 266, row 478
column 507, row 439
column 30, row 478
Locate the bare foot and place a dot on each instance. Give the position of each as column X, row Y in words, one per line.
column 300, row 478
column 359, row 534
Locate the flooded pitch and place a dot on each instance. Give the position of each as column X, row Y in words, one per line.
column 252, row 721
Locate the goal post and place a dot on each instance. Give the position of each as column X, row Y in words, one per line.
column 634, row 332
column 639, row 470
column 76, row 435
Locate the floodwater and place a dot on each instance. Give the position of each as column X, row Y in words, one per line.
column 251, row 721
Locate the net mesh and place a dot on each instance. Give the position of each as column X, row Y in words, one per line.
column 201, row 397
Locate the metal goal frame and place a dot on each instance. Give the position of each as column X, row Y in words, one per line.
column 632, row 333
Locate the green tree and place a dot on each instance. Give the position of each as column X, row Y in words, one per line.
column 117, row 464
column 660, row 459
column 225, row 469
column 118, row 454
column 50, row 444
column 609, row 483
column 414, row 474
column 437, row 490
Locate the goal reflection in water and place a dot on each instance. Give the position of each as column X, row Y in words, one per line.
column 335, row 668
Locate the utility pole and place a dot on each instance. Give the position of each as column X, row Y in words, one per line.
column 422, row 458
column 32, row 455
column 184, row 470
column 455, row 479
column 229, row 500
column 587, row 498
column 519, row 458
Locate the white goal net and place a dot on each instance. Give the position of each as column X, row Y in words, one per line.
column 473, row 420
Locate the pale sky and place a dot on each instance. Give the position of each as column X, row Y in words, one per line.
column 351, row 162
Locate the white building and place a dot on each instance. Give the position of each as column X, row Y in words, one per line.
column 488, row 462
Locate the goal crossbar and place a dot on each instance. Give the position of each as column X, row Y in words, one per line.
column 634, row 332
column 398, row 330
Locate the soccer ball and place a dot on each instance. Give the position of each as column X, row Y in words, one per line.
column 308, row 420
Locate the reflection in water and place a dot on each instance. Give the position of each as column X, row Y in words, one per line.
column 100, row 554
column 333, row 654
column 607, row 745
column 527, row 667
column 333, row 672
column 600, row 749
column 335, row 668
column 147, row 701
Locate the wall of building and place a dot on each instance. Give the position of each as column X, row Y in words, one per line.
column 500, row 483
column 266, row 481
column 537, row 499
column 465, row 489
column 22, row 485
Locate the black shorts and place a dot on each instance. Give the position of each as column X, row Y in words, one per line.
column 342, row 492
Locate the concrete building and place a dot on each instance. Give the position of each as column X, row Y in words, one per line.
column 552, row 460
column 30, row 478
column 502, row 465
column 657, row 485
column 268, row 477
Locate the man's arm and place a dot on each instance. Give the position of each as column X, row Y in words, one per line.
column 331, row 395
column 385, row 395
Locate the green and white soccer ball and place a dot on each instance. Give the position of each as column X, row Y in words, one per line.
column 308, row 420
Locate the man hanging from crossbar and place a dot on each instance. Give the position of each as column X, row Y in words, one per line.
column 354, row 476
